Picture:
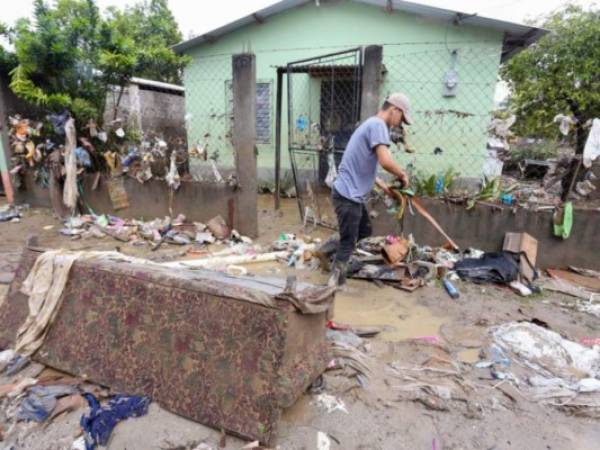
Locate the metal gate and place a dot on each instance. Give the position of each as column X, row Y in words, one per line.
column 323, row 97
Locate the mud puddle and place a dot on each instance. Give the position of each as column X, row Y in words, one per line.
column 388, row 307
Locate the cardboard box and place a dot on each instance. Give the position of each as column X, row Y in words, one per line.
column 522, row 242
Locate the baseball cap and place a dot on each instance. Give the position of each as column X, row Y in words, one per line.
column 401, row 101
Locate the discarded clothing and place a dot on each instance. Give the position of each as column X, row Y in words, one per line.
column 6, row 216
column 500, row 267
column 17, row 364
column 592, row 146
column 6, row 357
column 172, row 178
column 41, row 401
column 563, row 221
column 101, row 420
column 70, row 192
column 564, row 123
column 83, row 157
column 59, row 122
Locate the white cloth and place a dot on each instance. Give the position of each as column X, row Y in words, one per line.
column 564, row 123
column 44, row 285
column 70, row 192
column 592, row 146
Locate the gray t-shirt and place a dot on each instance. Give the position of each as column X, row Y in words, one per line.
column 358, row 168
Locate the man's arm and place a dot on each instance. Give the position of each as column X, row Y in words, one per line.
column 384, row 156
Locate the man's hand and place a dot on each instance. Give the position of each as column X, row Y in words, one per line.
column 405, row 181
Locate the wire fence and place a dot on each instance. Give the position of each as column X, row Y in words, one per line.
column 209, row 114
column 452, row 96
column 323, row 111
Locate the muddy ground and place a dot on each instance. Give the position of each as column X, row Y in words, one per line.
column 480, row 415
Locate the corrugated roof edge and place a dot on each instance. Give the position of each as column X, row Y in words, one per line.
column 516, row 36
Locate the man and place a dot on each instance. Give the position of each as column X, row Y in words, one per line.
column 368, row 146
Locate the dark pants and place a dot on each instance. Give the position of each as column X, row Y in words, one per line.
column 353, row 222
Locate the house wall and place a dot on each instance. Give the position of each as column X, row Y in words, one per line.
column 416, row 64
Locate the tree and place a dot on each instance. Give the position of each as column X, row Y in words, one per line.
column 564, row 65
column 8, row 60
column 69, row 54
column 153, row 30
column 56, row 55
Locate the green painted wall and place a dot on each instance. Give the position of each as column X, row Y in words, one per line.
column 416, row 59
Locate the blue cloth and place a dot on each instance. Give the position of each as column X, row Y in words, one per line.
column 358, row 168
column 99, row 422
column 41, row 401
column 83, row 157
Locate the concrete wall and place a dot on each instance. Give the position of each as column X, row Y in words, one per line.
column 198, row 201
column 162, row 113
column 484, row 227
column 309, row 31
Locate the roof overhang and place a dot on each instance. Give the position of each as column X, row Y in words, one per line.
column 516, row 36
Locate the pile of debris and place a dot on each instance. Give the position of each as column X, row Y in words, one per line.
column 582, row 284
column 520, row 362
column 41, row 146
column 393, row 260
column 35, row 394
column 175, row 231
column 12, row 213
column 550, row 369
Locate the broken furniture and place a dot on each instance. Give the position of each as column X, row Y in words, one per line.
column 228, row 352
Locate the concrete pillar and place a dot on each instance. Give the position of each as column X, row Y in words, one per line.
column 244, row 140
column 5, row 152
column 135, row 108
column 372, row 79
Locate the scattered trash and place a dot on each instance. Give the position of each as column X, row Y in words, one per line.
column 79, row 444
column 561, row 368
column 330, row 403
column 218, row 227
column 6, row 356
column 452, row 291
column 15, row 389
column 589, row 342
column 323, row 441
column 496, row 267
column 18, row 363
column 582, row 281
column 591, row 151
column 520, row 288
column 41, row 402
column 525, row 245
column 564, row 123
column 434, row 340
column 563, row 221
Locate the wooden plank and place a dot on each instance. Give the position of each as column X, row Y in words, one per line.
column 576, row 279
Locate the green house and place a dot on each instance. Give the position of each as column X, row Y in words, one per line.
column 446, row 61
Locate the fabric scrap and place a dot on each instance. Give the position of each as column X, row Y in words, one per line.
column 41, row 401
column 70, row 192
column 44, row 285
column 18, row 363
column 99, row 422
column 592, row 146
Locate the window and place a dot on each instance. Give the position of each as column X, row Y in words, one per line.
column 263, row 110
column 263, row 113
